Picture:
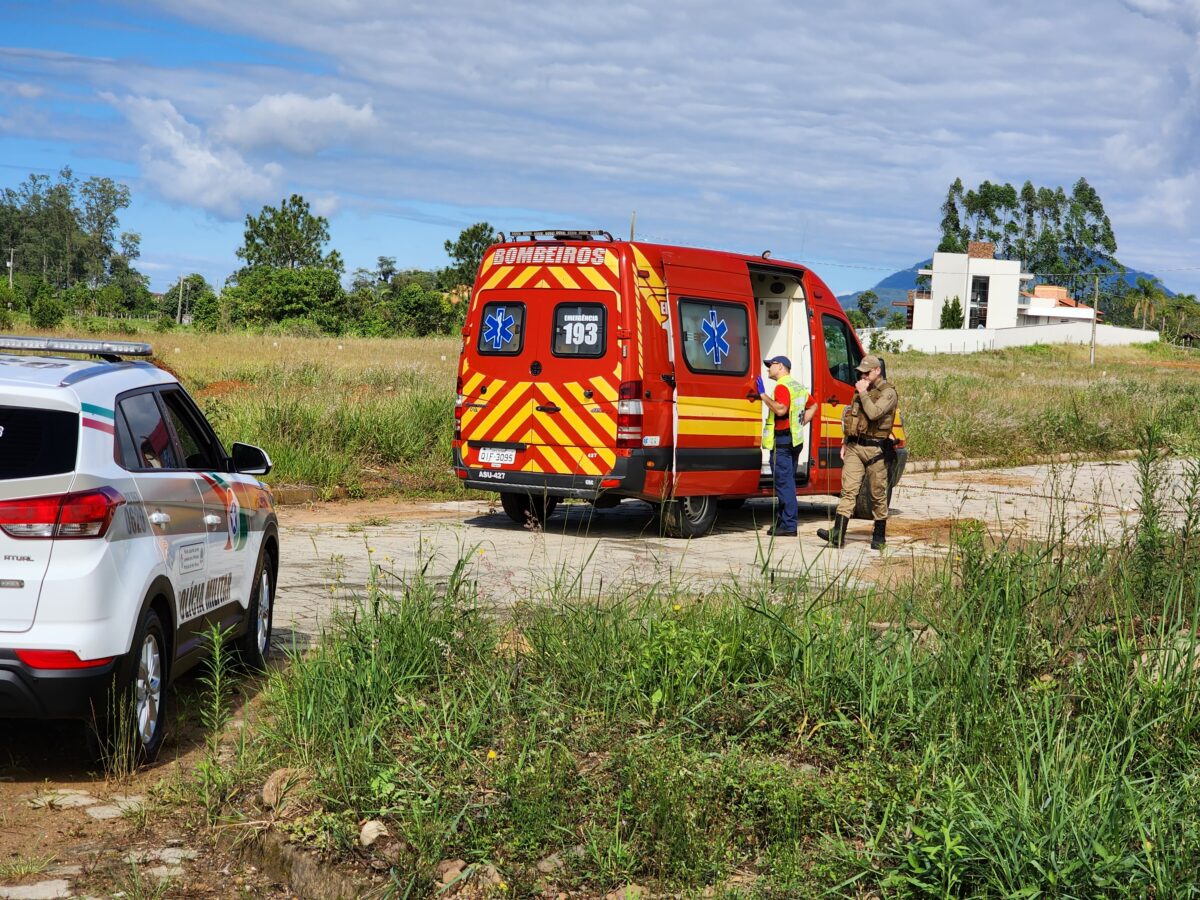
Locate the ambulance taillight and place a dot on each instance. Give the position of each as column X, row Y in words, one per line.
column 629, row 415
column 459, row 400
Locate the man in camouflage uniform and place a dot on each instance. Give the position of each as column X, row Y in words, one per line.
column 866, row 451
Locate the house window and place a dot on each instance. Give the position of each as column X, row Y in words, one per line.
column 979, row 301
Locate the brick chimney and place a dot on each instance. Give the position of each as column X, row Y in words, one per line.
column 980, row 250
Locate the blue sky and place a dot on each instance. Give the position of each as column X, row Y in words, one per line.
column 827, row 135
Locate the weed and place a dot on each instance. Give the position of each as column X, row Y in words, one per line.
column 24, row 866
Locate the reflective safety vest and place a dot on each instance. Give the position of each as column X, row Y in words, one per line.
column 795, row 409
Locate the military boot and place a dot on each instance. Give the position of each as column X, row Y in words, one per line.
column 879, row 535
column 835, row 536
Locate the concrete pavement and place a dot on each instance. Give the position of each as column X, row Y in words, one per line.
column 327, row 559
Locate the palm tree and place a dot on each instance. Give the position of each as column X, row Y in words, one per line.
column 1149, row 294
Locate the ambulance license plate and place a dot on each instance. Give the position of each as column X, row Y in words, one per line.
column 497, row 456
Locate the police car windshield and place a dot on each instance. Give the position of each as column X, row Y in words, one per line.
column 36, row 442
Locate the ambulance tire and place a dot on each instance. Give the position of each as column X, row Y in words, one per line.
column 525, row 509
column 690, row 516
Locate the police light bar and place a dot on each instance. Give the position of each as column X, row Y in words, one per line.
column 112, row 350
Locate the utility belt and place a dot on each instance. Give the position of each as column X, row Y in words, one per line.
column 869, row 442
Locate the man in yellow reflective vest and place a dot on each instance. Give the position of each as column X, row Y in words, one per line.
column 783, row 434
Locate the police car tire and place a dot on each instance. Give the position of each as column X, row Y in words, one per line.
column 690, row 516
column 251, row 648
column 524, row 508
column 105, row 739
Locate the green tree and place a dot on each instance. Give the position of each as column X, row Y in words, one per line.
column 103, row 199
column 466, row 254
column 182, row 303
column 267, row 295
column 288, row 237
column 47, row 310
column 952, row 228
column 867, row 302
column 952, row 314
column 1148, row 297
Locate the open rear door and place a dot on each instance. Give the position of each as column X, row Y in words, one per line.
column 717, row 422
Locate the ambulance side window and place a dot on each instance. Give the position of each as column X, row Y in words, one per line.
column 579, row 330
column 841, row 349
column 502, row 329
column 715, row 337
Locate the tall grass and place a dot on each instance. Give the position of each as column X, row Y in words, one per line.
column 1021, row 722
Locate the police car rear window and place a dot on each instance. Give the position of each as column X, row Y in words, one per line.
column 37, row 442
column 502, row 329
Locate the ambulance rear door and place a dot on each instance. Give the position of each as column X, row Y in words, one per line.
column 573, row 403
column 717, row 427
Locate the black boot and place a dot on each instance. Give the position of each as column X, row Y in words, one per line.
column 879, row 535
column 835, row 536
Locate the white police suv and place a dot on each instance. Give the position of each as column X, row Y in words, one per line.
column 126, row 533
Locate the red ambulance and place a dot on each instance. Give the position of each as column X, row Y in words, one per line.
column 603, row 369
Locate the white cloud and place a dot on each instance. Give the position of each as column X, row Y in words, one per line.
column 297, row 123
column 22, row 89
column 185, row 167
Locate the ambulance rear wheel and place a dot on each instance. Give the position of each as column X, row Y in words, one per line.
column 690, row 516
column 528, row 510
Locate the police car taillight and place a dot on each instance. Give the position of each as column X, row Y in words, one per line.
column 59, row 659
column 629, row 415
column 83, row 514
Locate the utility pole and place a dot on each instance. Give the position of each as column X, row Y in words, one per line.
column 1095, row 314
column 179, row 303
column 10, row 267
column 632, row 222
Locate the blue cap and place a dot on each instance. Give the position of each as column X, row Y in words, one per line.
column 782, row 360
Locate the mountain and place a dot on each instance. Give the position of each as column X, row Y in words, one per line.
column 897, row 285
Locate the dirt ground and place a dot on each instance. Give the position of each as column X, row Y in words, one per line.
column 67, row 830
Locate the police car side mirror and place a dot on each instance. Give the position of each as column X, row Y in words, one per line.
column 250, row 460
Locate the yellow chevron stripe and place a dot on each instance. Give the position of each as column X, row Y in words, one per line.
column 549, row 425
column 572, row 416
column 528, row 273
column 728, row 427
column 496, row 277
column 557, row 464
column 563, row 276
column 605, row 387
column 515, row 393
column 587, row 465
column 598, row 281
column 473, row 382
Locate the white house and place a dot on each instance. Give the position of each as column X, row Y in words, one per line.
column 989, row 289
column 1051, row 305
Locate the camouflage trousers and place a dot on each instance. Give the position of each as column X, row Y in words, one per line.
column 864, row 462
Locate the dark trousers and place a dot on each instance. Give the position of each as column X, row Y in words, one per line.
column 783, row 471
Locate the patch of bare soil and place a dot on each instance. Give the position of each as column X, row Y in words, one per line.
column 67, row 830
column 930, row 531
column 1000, row 479
column 377, row 512
column 221, row 388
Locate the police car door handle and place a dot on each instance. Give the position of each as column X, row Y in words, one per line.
column 159, row 518
column 211, row 519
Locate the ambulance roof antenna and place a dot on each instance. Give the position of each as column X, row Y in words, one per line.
column 632, row 223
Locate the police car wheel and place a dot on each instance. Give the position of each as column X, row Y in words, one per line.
column 690, row 516
column 254, row 646
column 525, row 509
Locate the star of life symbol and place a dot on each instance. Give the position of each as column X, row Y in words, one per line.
column 715, row 330
column 498, row 328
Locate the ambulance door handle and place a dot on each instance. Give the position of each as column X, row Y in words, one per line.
column 751, row 395
column 549, row 409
